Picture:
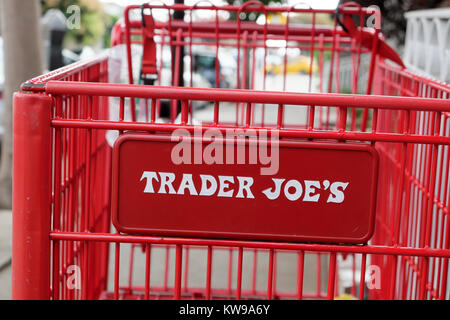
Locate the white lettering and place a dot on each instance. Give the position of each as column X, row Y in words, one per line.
column 337, row 195
column 205, row 191
column 167, row 178
column 298, row 190
column 149, row 175
column 309, row 191
column 187, row 183
column 272, row 195
column 244, row 184
column 223, row 184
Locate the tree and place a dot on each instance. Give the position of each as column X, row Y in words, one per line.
column 22, row 61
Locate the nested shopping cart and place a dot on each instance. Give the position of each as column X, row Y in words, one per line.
column 128, row 182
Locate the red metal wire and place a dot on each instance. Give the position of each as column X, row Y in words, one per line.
column 404, row 115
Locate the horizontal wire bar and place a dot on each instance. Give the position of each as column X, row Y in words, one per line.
column 246, row 96
column 371, row 249
column 315, row 134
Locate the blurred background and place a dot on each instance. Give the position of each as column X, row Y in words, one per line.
column 38, row 36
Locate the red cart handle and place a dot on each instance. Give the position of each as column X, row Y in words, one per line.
column 148, row 71
column 365, row 38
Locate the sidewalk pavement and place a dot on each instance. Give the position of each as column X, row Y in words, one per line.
column 5, row 254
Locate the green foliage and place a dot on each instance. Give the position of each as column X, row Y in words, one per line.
column 248, row 17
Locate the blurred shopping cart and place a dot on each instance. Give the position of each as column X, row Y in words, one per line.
column 357, row 202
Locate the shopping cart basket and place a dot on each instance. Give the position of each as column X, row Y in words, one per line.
column 104, row 208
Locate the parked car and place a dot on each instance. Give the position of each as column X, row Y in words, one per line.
column 299, row 64
column 204, row 63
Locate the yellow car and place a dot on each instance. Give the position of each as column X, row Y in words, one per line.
column 300, row 64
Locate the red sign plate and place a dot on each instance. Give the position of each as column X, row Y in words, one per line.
column 322, row 192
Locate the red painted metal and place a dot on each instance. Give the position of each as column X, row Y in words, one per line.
column 308, row 191
column 31, row 196
column 63, row 189
column 149, row 47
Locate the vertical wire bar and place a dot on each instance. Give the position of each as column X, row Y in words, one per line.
column 217, row 50
column 230, row 269
column 176, row 74
column 321, row 79
column 248, row 114
column 239, row 274
column 116, row 271
column 153, row 111
column 393, row 276
column 300, row 271
column 333, row 52
column 319, row 275
column 216, row 103
column 311, row 113
column 166, row 268
column 191, row 67
column 355, row 72
column 280, row 116
column 362, row 279
column 130, row 270
column 311, row 54
column 431, row 182
column 253, row 71
column 263, row 106
column 371, row 74
column 186, row 269
column 57, row 200
column 146, row 109
column 342, row 111
column 161, row 51
column 274, row 286
column 64, row 197
column 208, row 273
column 439, row 222
column 254, row 271
column 244, row 77
column 331, row 276
column 357, row 66
column 398, row 212
column 129, row 63
column 216, row 113
column 71, row 190
column 286, row 40
column 178, row 271
column 238, row 67
column 330, row 75
column 353, row 289
column 446, row 236
column 424, row 275
column 184, row 112
column 87, row 199
column 445, row 264
column 148, row 254
column 122, row 111
column 270, row 276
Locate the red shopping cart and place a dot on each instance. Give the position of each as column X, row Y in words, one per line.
column 337, row 182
